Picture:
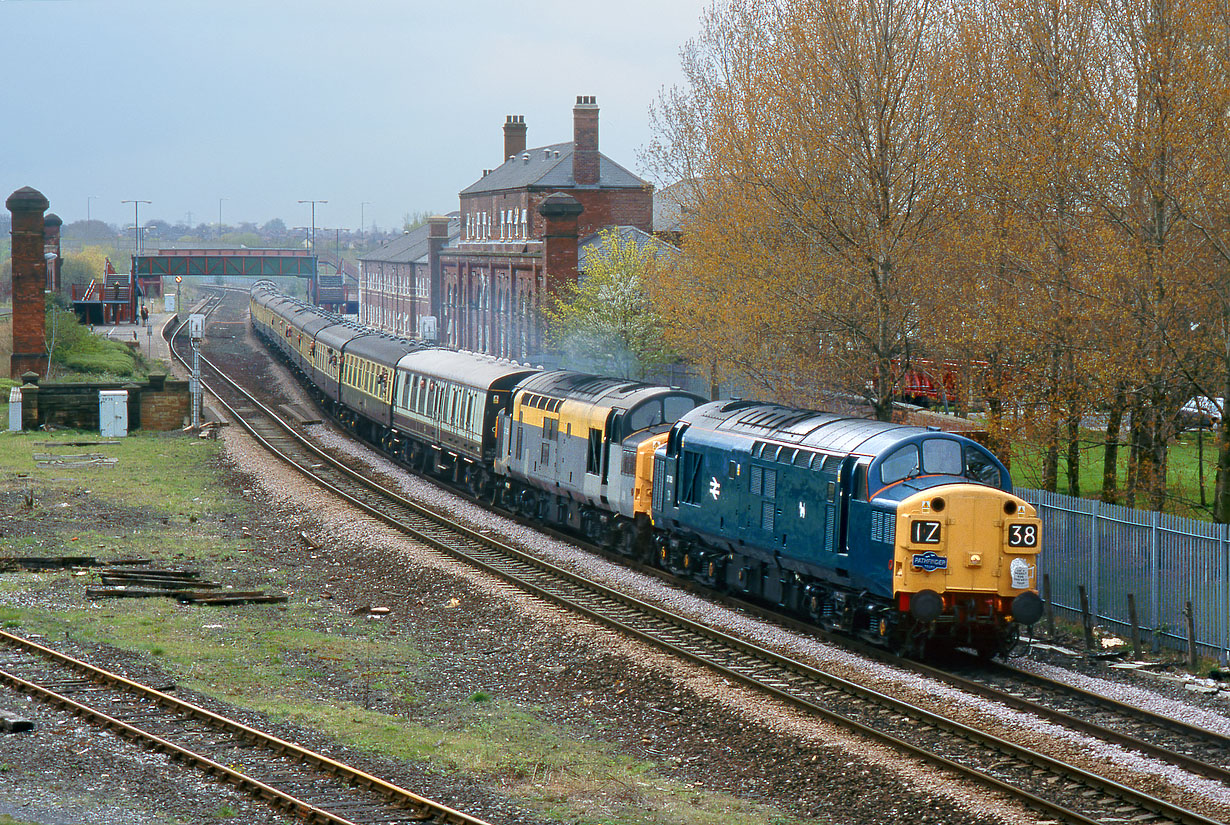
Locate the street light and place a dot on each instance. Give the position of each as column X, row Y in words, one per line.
column 220, row 218
column 136, row 224
column 89, row 198
column 337, row 243
column 50, row 258
column 313, row 221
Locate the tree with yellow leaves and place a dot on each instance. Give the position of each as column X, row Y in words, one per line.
column 815, row 141
column 605, row 321
column 1205, row 206
column 1022, row 255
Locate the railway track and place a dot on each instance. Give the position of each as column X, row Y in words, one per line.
column 1047, row 785
column 306, row 785
column 1187, row 746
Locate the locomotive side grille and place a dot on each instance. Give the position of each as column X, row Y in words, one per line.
column 659, row 482
column 883, row 527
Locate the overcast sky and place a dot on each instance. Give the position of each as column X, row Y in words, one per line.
column 399, row 103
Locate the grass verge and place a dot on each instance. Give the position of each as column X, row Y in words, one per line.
column 307, row 662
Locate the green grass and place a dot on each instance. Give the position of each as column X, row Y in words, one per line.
column 277, row 659
column 81, row 355
column 1183, row 471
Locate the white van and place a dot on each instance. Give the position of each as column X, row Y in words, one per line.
column 1202, row 411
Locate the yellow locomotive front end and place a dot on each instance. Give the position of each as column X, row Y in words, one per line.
column 965, row 565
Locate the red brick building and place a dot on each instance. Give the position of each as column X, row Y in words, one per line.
column 519, row 227
column 395, row 280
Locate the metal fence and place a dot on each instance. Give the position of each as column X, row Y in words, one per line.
column 1163, row 561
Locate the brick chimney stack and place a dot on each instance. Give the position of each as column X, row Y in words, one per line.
column 585, row 141
column 51, row 245
column 514, row 136
column 29, row 280
column 559, row 239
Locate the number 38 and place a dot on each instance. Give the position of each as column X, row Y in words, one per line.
column 1022, row 535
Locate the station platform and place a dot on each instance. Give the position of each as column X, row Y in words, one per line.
column 148, row 338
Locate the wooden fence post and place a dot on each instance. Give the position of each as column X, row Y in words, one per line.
column 1087, row 619
column 1050, row 606
column 1131, row 600
column 1191, row 637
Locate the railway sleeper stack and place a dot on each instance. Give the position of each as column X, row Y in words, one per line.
column 12, row 563
column 186, row 586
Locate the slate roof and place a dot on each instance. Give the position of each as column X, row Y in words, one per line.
column 669, row 205
column 591, row 245
column 546, row 171
column 412, row 245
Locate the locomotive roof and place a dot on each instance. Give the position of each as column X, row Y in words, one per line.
column 805, row 428
column 581, row 386
column 469, row 369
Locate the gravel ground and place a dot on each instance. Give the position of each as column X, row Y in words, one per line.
column 597, row 684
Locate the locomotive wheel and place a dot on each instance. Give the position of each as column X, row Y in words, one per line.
column 626, row 541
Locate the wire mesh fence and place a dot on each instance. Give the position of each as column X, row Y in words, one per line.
column 1162, row 561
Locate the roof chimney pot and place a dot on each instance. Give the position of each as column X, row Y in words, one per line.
column 514, row 135
column 585, row 157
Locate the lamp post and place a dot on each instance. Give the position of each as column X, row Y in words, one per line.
column 337, row 243
column 50, row 258
column 313, row 221
column 89, row 198
column 136, row 225
column 220, row 218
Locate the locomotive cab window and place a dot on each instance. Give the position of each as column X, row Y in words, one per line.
column 979, row 467
column 690, row 482
column 942, row 457
column 674, row 406
column 901, row 464
column 593, row 455
column 645, row 416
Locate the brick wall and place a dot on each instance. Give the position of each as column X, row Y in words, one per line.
column 159, row 405
column 165, row 410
